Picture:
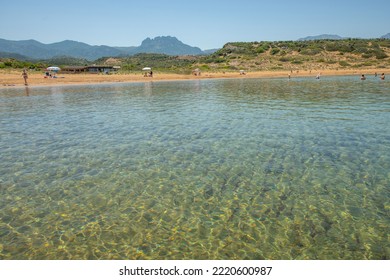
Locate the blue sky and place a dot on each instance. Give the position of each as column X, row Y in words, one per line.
column 202, row 23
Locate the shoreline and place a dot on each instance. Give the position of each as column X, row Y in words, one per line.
column 14, row 78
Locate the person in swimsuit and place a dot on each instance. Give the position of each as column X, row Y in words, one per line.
column 25, row 77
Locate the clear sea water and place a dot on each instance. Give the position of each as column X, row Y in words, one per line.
column 205, row 169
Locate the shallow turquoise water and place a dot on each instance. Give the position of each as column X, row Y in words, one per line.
column 218, row 169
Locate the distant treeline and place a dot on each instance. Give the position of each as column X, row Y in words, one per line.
column 9, row 62
column 18, row 64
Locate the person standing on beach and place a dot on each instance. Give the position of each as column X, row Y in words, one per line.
column 25, row 77
column 383, row 76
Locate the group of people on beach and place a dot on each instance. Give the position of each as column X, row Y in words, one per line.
column 382, row 77
column 49, row 75
column 25, row 76
column 148, row 74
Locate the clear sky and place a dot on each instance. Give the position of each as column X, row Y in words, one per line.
column 203, row 23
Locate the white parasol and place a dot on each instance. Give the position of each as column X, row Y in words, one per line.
column 146, row 69
column 53, row 68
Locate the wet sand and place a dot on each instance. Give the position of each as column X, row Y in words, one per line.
column 36, row 78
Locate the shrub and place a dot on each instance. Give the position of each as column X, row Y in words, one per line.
column 265, row 46
column 344, row 64
column 311, row 51
column 204, row 67
column 380, row 54
column 284, row 59
column 361, row 50
column 367, row 55
column 219, row 60
column 275, row 51
column 297, row 62
column 260, row 50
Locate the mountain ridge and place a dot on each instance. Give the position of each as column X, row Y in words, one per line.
column 37, row 50
column 167, row 45
column 34, row 50
column 322, row 37
column 386, row 36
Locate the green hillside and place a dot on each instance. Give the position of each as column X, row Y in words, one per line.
column 250, row 56
column 281, row 55
column 295, row 55
column 161, row 62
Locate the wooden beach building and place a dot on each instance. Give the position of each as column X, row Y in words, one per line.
column 94, row 69
column 74, row 69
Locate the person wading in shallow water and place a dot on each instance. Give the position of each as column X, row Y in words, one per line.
column 25, row 77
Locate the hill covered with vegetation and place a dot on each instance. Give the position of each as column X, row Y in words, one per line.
column 249, row 56
column 305, row 55
column 281, row 55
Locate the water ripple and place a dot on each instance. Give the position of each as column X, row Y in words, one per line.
column 219, row 169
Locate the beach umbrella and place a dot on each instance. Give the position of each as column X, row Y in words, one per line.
column 146, row 69
column 53, row 68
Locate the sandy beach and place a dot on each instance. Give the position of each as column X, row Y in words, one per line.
column 10, row 78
